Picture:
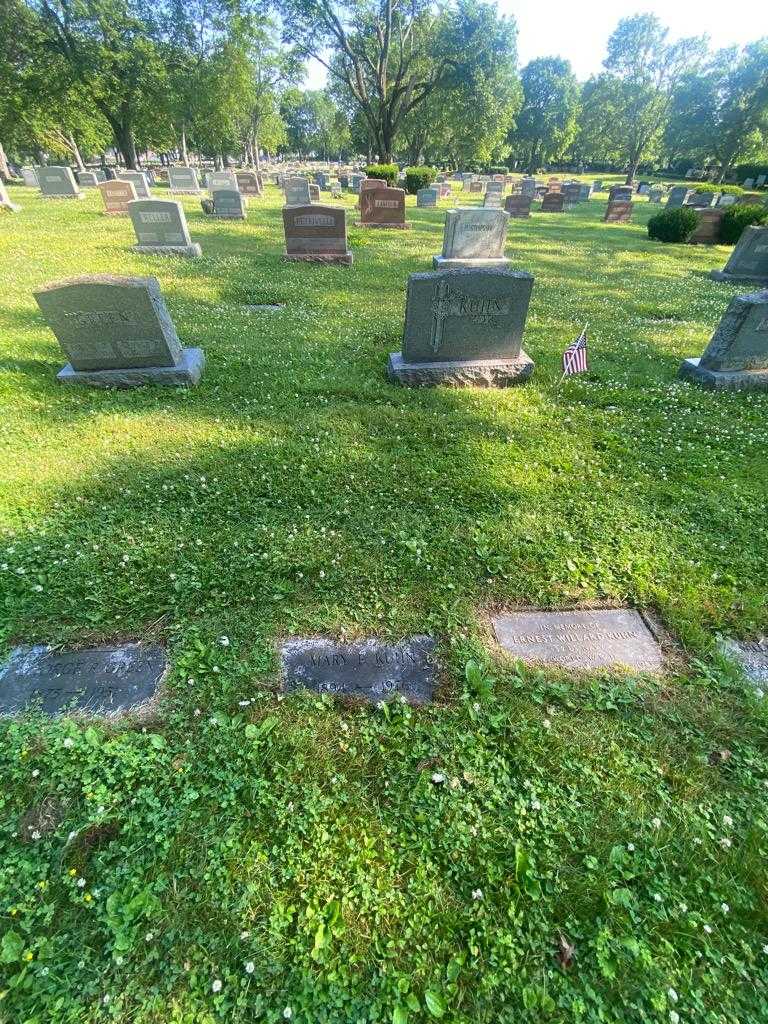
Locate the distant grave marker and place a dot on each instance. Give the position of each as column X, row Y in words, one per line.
column 678, row 197
column 161, row 228
column 117, row 195
column 296, row 191
column 427, row 197
column 473, row 237
column 707, row 230
column 221, row 180
column 183, row 181
column 618, row 211
column 229, row 204
column 29, row 177
column 382, row 208
column 57, row 183
column 87, row 179
column 139, row 181
column 553, row 202
column 518, row 206
column 248, row 183
column 317, row 234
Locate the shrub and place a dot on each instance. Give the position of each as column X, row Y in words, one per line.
column 707, row 186
column 753, row 171
column 736, row 218
column 388, row 172
column 418, row 177
column 672, row 225
column 500, row 169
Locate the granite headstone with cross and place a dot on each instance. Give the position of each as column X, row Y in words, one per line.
column 473, row 237
column 161, row 228
column 57, row 183
column 183, row 181
column 737, row 354
column 749, row 260
column 464, row 328
column 315, row 233
column 117, row 333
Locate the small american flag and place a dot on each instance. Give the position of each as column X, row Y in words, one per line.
column 575, row 356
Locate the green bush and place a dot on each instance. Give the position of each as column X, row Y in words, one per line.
column 672, row 225
column 736, row 218
column 388, row 172
column 708, row 186
column 418, row 177
column 753, row 171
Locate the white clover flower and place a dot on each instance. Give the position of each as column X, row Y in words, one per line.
column 81, row 883
column 250, row 967
column 631, row 847
column 674, row 1017
column 244, row 936
column 106, row 999
column 727, row 820
column 658, row 897
column 725, row 843
column 477, row 894
column 708, row 929
column 68, row 743
column 656, row 822
column 35, row 773
column 288, row 1013
column 683, row 908
column 725, row 908
column 438, row 778
column 38, row 587
column 35, row 834
column 216, row 986
column 224, row 641
column 672, row 994
column 765, row 949
column 149, row 936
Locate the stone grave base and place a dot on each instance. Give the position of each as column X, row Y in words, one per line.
column 479, row 373
column 724, row 380
column 169, row 250
column 80, row 196
column 185, row 191
column 230, row 216
column 186, row 374
column 402, row 227
column 342, row 258
column 721, row 275
column 458, row 263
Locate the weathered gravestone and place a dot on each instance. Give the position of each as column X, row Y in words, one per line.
column 98, row 681
column 382, row 208
column 726, row 199
column 572, row 193
column 248, row 183
column 426, row 197
column 620, row 193
column 707, row 230
column 618, row 212
column 585, row 640
column 476, row 186
column 117, row 332
column 221, row 180
column 296, row 191
column 655, row 195
column 367, row 669
column 161, row 228
column 678, row 196
column 749, row 260
column 87, row 179
column 750, row 656
column 585, row 193
column 597, row 185
column 183, row 181
column 759, row 182
column 748, row 183
column 497, row 185
column 57, row 183
column 228, row 203
column 553, row 202
column 528, row 187
column 355, row 181
column 701, row 200
column 5, row 200
column 370, row 183
column 464, row 328
column 750, row 199
column 317, row 234
column 737, row 354
column 492, row 200
column 518, row 206
column 473, row 237
column 117, row 195
column 314, row 193
column 29, row 177
column 139, row 181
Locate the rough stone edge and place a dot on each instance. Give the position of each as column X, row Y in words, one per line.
column 342, row 259
column 229, row 216
column 460, row 373
column 192, row 250
column 721, row 275
column 465, row 263
column 186, row 374
column 723, row 380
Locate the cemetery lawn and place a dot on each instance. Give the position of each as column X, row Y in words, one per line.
column 532, row 847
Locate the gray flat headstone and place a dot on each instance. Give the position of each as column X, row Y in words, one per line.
column 183, row 180
column 580, row 639
column 87, row 179
column 751, row 657
column 161, row 227
column 100, row 680
column 139, row 181
column 57, row 183
column 368, row 669
column 737, row 354
column 316, row 233
column 228, row 203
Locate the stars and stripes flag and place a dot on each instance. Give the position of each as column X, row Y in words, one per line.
column 575, row 356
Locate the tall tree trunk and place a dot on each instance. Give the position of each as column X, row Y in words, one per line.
column 5, row 171
column 75, row 152
column 184, row 151
column 127, row 146
column 225, row 161
column 255, row 151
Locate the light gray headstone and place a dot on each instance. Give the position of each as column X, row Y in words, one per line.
column 296, row 191
column 87, row 179
column 760, row 180
column 473, row 236
column 183, row 180
column 57, row 183
column 161, row 227
column 528, row 187
column 492, row 200
column 228, row 203
column 726, row 199
column 116, row 332
column 222, row 180
column 749, row 260
column 30, row 177
column 748, row 183
column 737, row 354
column 427, row 197
column 139, row 181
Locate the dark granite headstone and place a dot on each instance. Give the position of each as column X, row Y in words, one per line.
column 737, row 354
column 101, row 680
column 707, row 230
column 678, row 196
column 749, row 260
column 368, row 669
column 228, row 203
column 618, row 211
column 553, row 202
column 518, row 206
column 580, row 639
column 382, row 208
column 316, row 233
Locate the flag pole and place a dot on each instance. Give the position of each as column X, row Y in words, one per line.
column 567, row 365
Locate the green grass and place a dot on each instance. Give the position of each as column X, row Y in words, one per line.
column 295, row 491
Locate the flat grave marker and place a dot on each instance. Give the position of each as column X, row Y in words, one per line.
column 57, row 183
column 368, row 670
column 751, row 656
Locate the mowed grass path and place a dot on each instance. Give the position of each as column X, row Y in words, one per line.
column 296, row 491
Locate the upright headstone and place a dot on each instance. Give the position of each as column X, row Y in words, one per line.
column 87, row 179
column 749, row 260
column 370, row 184
column 737, row 354
column 248, row 183
column 117, row 332
column 296, row 191
column 492, row 200
column 314, row 193
column 464, row 327
column 707, row 230
column 221, row 180
column 382, row 208
column 655, row 195
column 643, row 188
column 29, row 177
column 518, row 206
column 183, row 181
column 678, row 196
column 572, row 193
column 355, row 181
column 748, row 183
column 622, row 193
column 497, row 185
column 726, row 199
column 116, row 195
column 57, row 183
column 528, row 187
column 553, row 202
column 228, row 203
column 759, row 181
column 316, row 234
column 161, row 228
column 473, row 237
column 139, row 181
column 618, row 211
column 585, row 193
column 476, row 186
column 701, row 200
column 597, row 185
column 5, row 200
column 427, row 197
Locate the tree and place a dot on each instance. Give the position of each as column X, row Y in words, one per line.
column 314, row 124
column 390, row 55
column 547, row 122
column 642, row 72
column 721, row 112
